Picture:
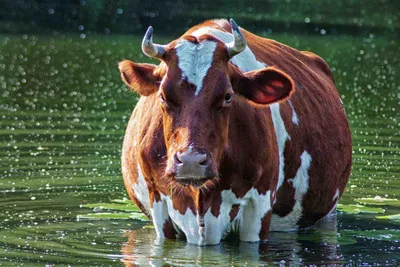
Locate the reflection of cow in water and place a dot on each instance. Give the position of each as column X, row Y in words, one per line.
column 143, row 248
column 233, row 133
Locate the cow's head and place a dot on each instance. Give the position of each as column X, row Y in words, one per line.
column 197, row 87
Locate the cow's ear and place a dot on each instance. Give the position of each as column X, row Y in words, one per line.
column 265, row 86
column 142, row 78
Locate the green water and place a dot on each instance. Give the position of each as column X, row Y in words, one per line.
column 64, row 109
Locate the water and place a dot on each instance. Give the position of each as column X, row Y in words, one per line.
column 63, row 112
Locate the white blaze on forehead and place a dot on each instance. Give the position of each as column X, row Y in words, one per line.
column 245, row 61
column 194, row 61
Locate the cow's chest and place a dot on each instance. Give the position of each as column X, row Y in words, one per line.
column 241, row 215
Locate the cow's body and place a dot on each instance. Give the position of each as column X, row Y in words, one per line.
column 282, row 167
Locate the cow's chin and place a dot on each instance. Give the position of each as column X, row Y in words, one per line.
column 201, row 183
column 209, row 179
column 193, row 181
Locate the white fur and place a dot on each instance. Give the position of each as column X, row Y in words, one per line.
column 253, row 207
column 342, row 104
column 336, row 200
column 141, row 191
column 282, row 136
column 159, row 214
column 245, row 60
column 336, row 196
column 186, row 222
column 194, row 60
column 251, row 218
column 295, row 119
column 300, row 183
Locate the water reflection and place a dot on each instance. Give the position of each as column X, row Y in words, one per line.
column 288, row 248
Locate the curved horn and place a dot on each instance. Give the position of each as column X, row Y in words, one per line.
column 239, row 42
column 150, row 49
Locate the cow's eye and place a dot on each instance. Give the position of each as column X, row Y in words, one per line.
column 228, row 98
column 162, row 99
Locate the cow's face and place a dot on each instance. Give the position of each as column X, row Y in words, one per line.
column 197, row 87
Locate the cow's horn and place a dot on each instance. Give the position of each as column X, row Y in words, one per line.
column 150, row 49
column 239, row 42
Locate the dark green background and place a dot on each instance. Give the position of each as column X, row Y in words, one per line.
column 124, row 16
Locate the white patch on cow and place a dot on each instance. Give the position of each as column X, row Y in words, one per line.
column 159, row 214
column 336, row 196
column 185, row 222
column 245, row 61
column 336, row 200
column 300, row 183
column 251, row 219
column 282, row 136
column 342, row 105
column 295, row 119
column 194, row 60
column 141, row 191
column 252, row 208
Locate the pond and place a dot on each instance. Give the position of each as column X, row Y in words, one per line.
column 64, row 110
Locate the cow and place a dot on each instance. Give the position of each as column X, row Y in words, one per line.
column 233, row 134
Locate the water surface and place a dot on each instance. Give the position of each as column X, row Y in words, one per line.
column 63, row 112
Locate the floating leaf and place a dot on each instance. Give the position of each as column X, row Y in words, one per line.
column 122, row 201
column 379, row 201
column 328, row 238
column 129, row 211
column 356, row 209
column 395, row 217
column 383, row 235
column 344, row 240
column 129, row 207
column 113, row 216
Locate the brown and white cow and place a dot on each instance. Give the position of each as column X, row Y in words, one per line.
column 233, row 133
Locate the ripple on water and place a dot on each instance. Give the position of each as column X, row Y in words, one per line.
column 63, row 113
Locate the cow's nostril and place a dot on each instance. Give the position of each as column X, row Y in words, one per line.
column 203, row 163
column 177, row 158
column 191, row 160
column 203, row 160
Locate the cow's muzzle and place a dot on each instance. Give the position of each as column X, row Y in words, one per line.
column 193, row 167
